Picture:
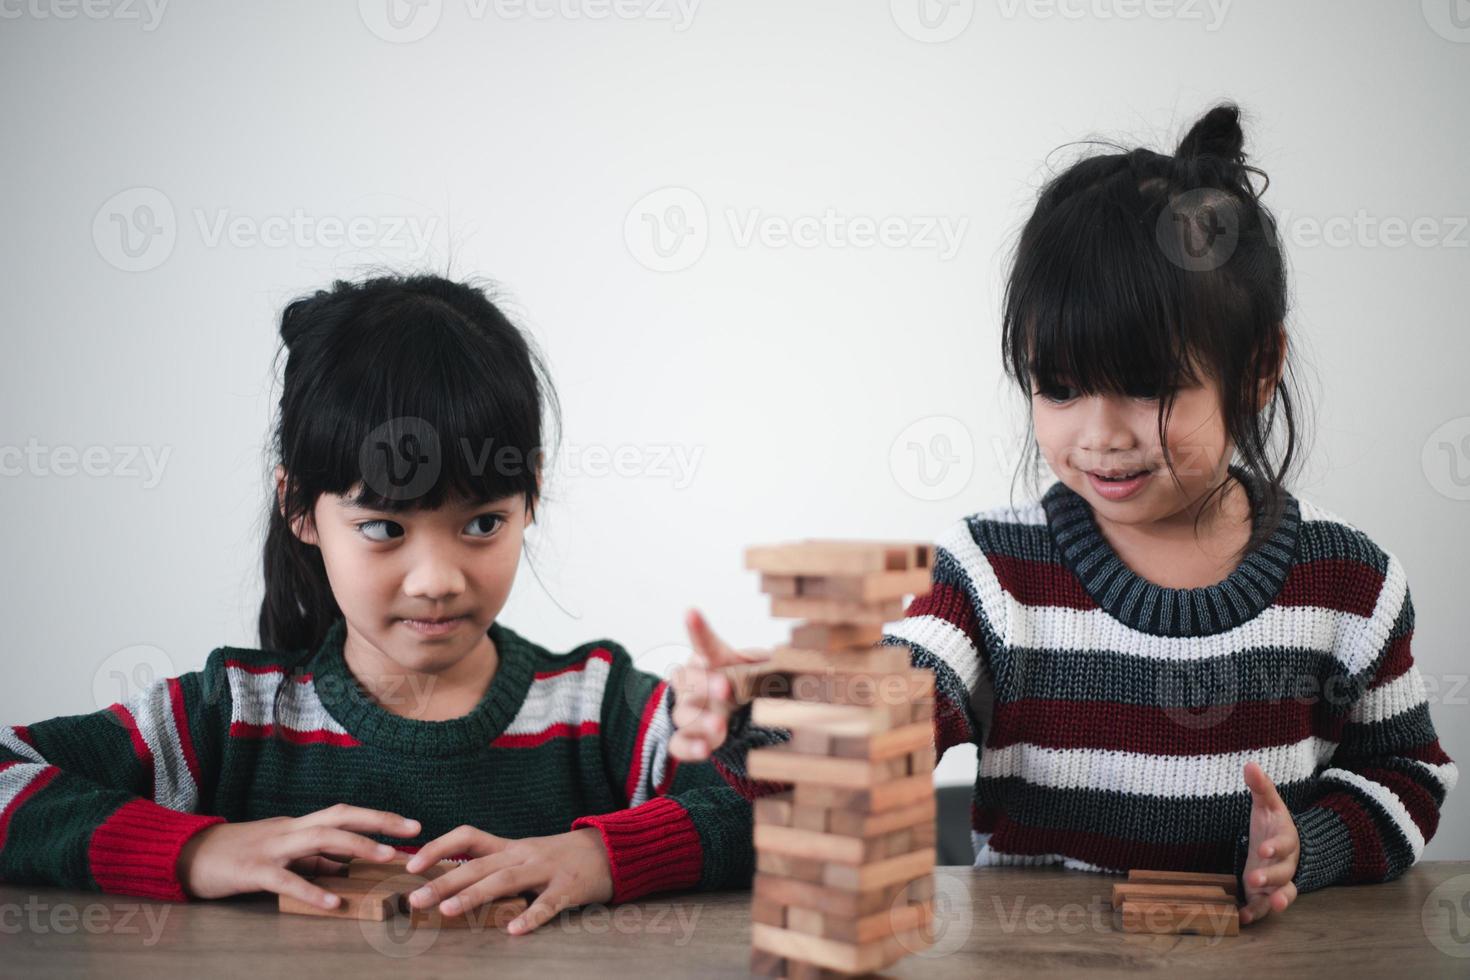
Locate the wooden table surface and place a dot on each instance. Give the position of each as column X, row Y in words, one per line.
column 989, row 922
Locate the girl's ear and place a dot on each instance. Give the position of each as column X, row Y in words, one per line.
column 1269, row 380
column 302, row 527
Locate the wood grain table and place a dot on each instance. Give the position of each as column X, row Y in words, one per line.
column 990, row 922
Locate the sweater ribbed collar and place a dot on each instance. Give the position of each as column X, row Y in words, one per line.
column 1151, row 608
column 371, row 723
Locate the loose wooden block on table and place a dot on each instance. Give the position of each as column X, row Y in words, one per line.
column 1145, row 892
column 1169, row 918
column 359, row 899
column 827, row 557
column 1227, row 882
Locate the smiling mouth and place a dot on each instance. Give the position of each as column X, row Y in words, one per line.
column 1118, row 476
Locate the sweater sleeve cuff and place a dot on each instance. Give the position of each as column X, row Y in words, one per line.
column 650, row 848
column 1325, row 856
column 136, row 850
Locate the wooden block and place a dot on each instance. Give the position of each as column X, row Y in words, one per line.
column 834, row 955
column 749, row 680
column 855, row 823
column 360, row 899
column 922, row 760
column 890, row 871
column 886, row 796
column 767, row 911
column 832, row 848
column 808, row 921
column 895, row 742
column 1144, row 892
column 810, row 741
column 837, row 610
column 764, row 964
column 775, row 809
column 872, row 587
column 871, row 660
column 1224, row 881
column 831, row 557
column 810, row 818
column 496, row 914
column 836, row 636
column 383, row 870
column 1170, row 918
column 899, row 918
column 920, row 889
column 836, row 902
column 786, row 866
column 780, row 764
column 835, row 719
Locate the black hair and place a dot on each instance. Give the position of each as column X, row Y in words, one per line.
column 1138, row 271
column 413, row 388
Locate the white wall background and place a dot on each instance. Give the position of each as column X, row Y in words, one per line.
column 526, row 135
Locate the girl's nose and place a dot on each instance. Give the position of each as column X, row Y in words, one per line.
column 1105, row 427
column 433, row 578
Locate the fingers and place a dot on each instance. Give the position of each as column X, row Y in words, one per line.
column 546, row 907
column 316, row 864
column 498, row 884
column 285, row 882
column 1282, row 897
column 1255, row 909
column 702, row 638
column 321, row 840
column 1261, row 787
column 1277, row 874
column 463, row 839
column 363, row 820
column 688, row 748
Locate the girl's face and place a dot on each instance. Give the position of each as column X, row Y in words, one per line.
column 391, row 572
column 1085, row 436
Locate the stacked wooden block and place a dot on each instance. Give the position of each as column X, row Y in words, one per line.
column 1169, row 902
column 845, row 859
column 378, row 890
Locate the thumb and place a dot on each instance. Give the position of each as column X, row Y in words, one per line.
column 709, row 650
column 1262, row 789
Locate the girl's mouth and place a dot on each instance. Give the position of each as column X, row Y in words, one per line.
column 433, row 627
column 1120, row 487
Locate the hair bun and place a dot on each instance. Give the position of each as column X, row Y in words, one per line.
column 1216, row 134
column 296, row 321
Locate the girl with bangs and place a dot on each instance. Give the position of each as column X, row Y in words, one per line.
column 1168, row 660
column 387, row 703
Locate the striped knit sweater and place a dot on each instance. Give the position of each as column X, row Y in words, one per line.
column 1113, row 716
column 106, row 801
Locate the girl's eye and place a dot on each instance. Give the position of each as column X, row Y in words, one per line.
column 387, row 529
column 1057, row 393
column 481, row 521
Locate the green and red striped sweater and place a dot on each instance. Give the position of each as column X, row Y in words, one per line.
column 105, row 801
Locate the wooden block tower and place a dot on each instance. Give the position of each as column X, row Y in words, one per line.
column 844, row 880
